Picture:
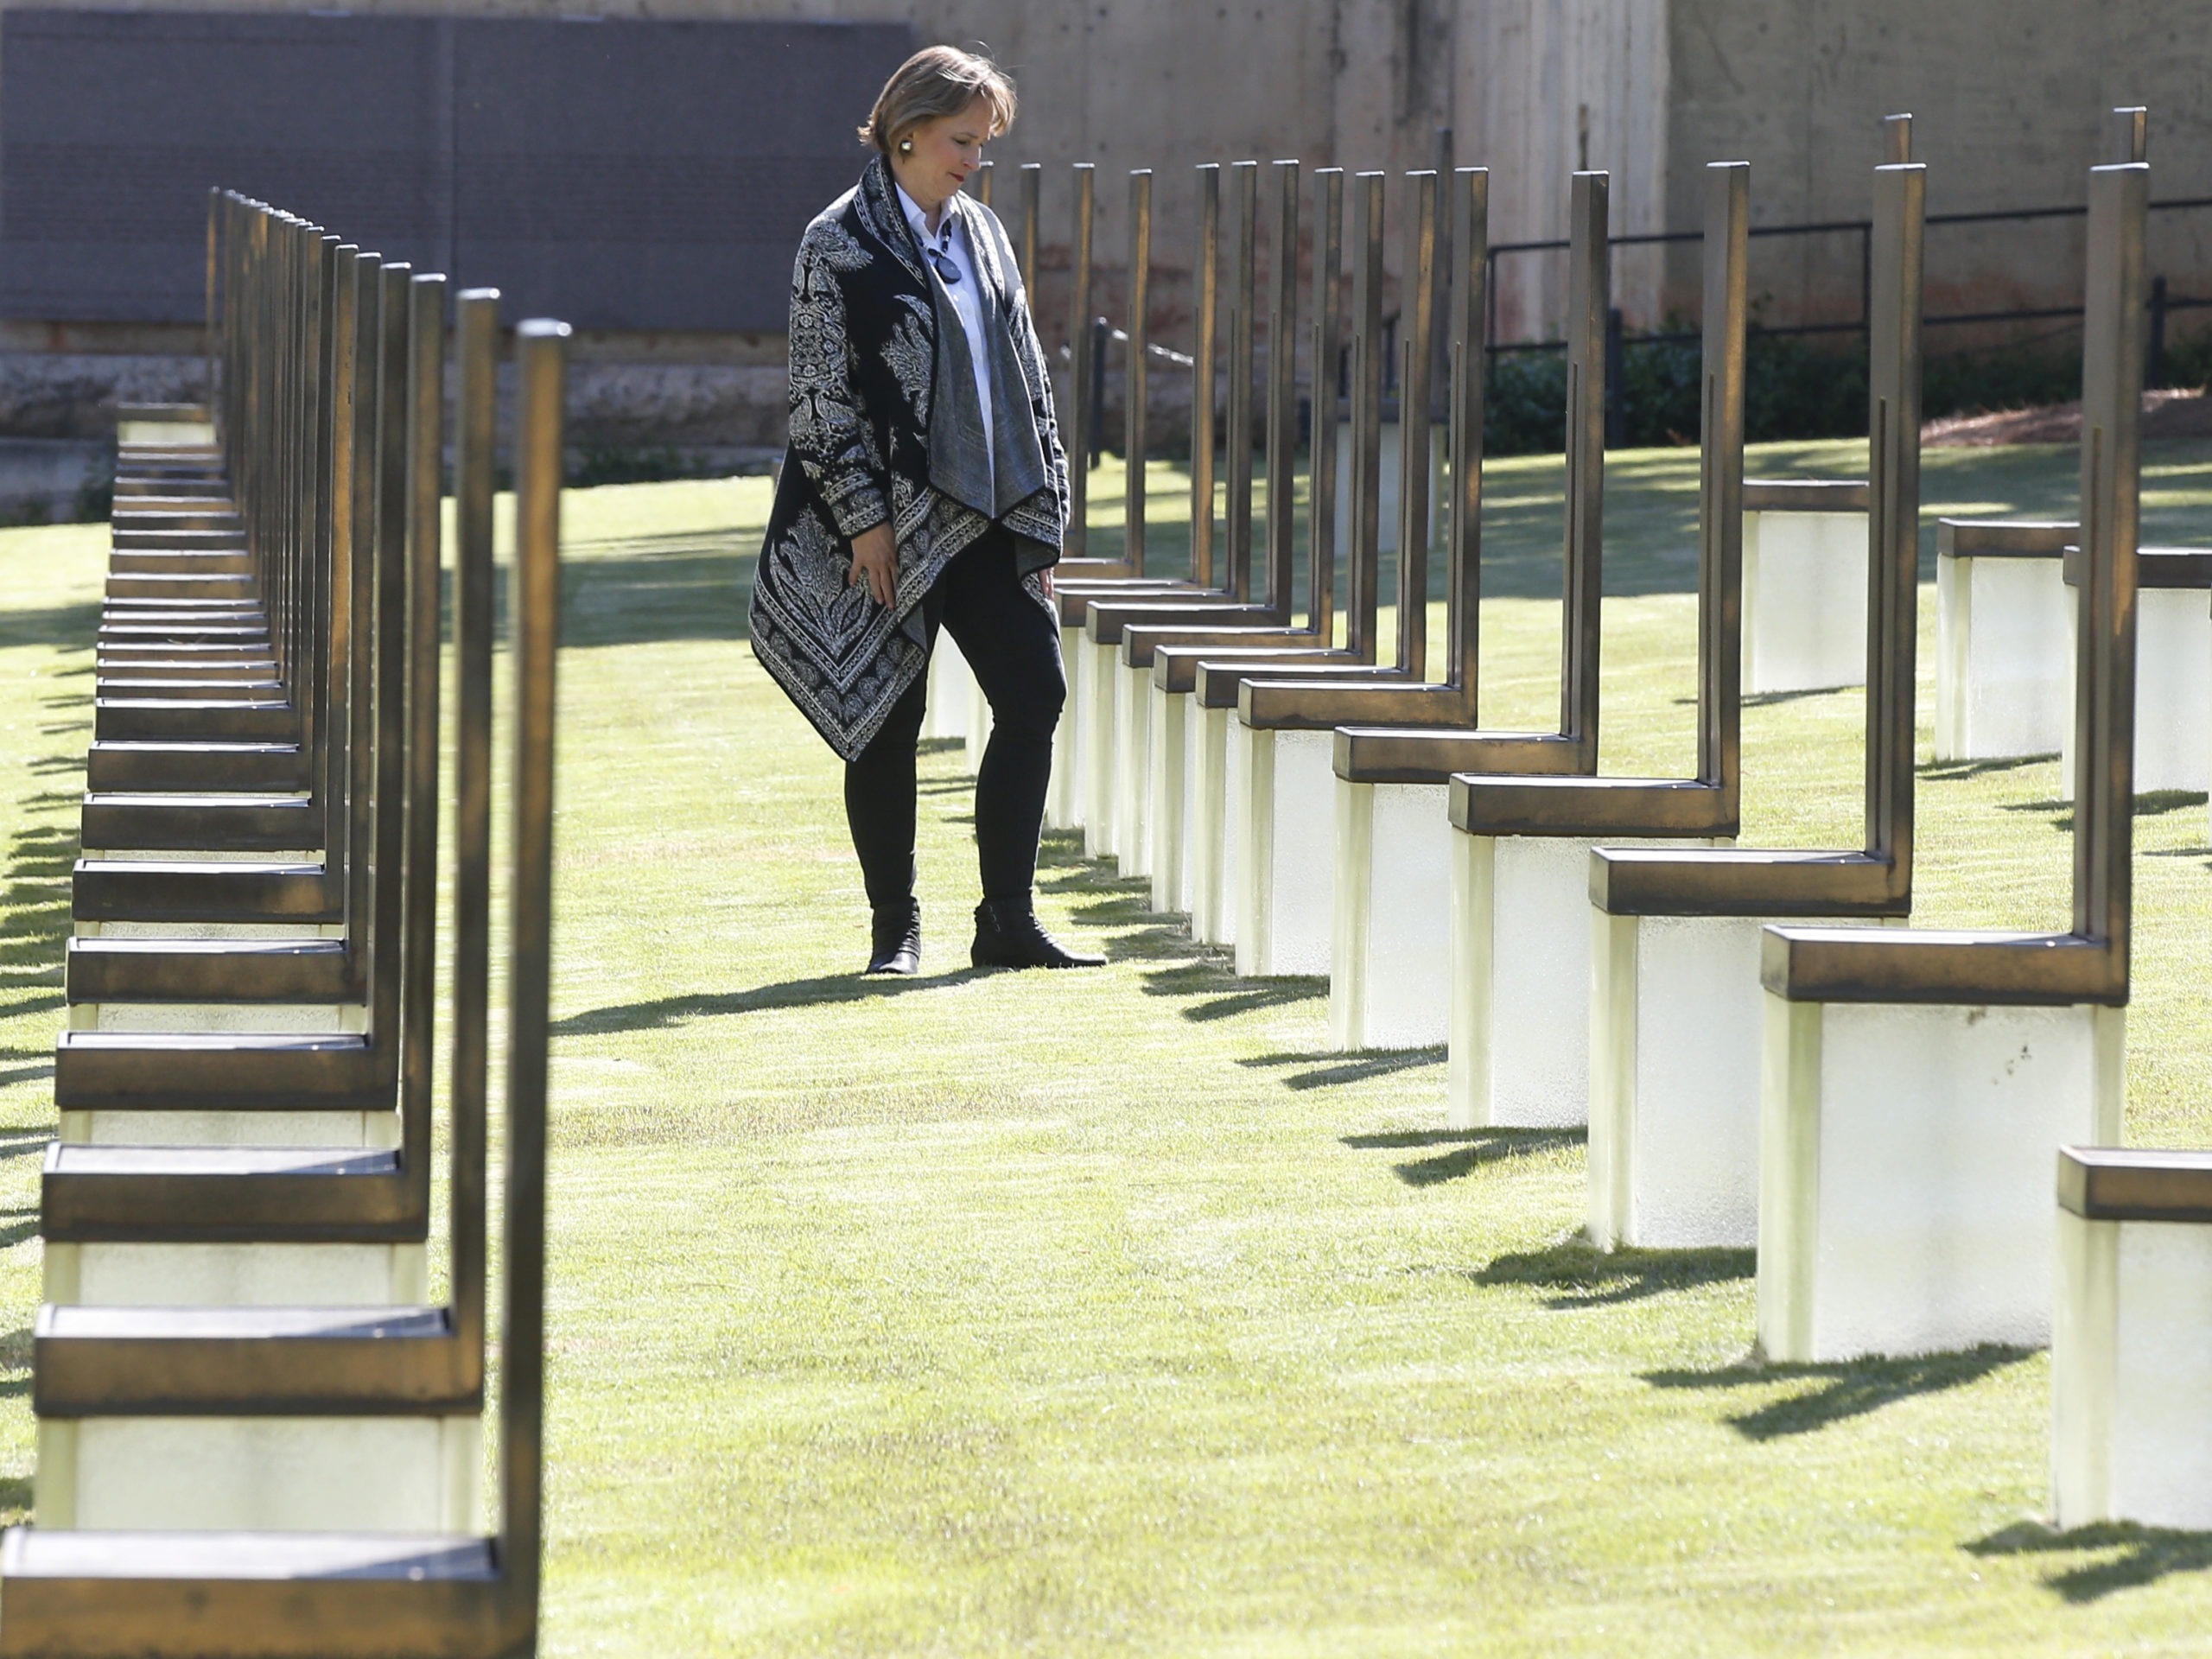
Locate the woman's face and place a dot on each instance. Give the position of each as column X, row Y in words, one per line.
column 946, row 151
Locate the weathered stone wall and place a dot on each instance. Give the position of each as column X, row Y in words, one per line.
column 2009, row 97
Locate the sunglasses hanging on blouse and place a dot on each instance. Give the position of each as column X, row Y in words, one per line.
column 940, row 254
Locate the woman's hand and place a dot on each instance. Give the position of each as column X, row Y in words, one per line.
column 875, row 560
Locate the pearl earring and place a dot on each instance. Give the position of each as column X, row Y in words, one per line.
column 905, row 146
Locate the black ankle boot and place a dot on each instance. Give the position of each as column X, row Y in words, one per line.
column 1006, row 936
column 897, row 945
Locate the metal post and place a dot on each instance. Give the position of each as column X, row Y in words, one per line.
column 983, row 174
column 1206, row 274
column 394, row 512
column 1282, row 392
column 477, row 347
column 1893, row 375
column 2130, row 135
column 1616, row 376
column 1416, row 353
column 1321, row 458
column 1033, row 174
column 1244, row 208
column 1721, row 478
column 1896, row 140
column 1077, row 542
column 2154, row 358
column 426, row 464
column 1135, row 379
column 1470, row 306
column 1100, row 328
column 1589, row 288
column 2104, row 703
column 209, row 341
column 1366, row 415
column 540, row 345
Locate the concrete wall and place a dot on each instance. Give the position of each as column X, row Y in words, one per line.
column 2009, row 94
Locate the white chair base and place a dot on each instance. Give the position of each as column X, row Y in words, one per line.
column 235, row 1275
column 2003, row 658
column 1132, row 768
column 1905, row 1158
column 255, row 1474
column 344, row 1131
column 1096, row 685
column 2173, row 690
column 1390, row 954
column 1675, row 1036
column 2131, row 1374
column 951, row 682
column 1804, row 600
column 1285, row 918
column 1169, row 723
column 1211, row 807
column 1063, row 794
column 1517, row 962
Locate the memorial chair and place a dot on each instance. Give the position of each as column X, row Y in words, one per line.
column 1264, row 863
column 2130, row 1369
column 297, row 1222
column 379, row 1589
column 1916, row 1083
column 2173, row 669
column 1108, row 725
column 1518, row 1003
column 1674, row 1018
column 261, row 1067
column 1804, row 561
column 1372, row 764
column 2004, row 638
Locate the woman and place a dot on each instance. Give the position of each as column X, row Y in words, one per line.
column 924, row 487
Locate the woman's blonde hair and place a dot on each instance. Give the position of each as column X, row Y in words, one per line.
column 937, row 80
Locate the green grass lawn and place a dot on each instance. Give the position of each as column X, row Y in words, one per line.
column 1112, row 1313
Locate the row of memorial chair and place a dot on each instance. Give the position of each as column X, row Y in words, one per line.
column 1876, row 1108
column 257, row 1433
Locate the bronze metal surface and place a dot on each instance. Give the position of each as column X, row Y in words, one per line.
column 2129, row 135
column 2088, row 965
column 1896, row 139
column 2005, row 538
column 1075, row 414
column 103, row 970
column 1237, row 428
column 2155, row 567
column 1707, row 804
column 208, row 1072
column 1282, row 390
column 1135, row 370
column 260, row 1362
column 1205, row 303
column 190, row 765
column 1327, row 344
column 1875, row 879
column 2136, row 1183
column 1805, row 495
column 133, row 1595
column 92, row 1194
column 236, row 890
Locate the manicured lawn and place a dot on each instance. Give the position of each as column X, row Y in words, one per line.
column 1112, row 1313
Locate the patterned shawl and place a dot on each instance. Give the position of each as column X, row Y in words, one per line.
column 866, row 323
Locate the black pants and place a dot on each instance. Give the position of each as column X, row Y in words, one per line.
column 1013, row 644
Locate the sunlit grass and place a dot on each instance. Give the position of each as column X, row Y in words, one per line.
column 1112, row 1313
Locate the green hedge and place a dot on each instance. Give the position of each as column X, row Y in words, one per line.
column 1794, row 388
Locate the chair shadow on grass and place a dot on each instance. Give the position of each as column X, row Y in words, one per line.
column 1852, row 1388
column 1463, row 1151
column 1952, row 771
column 1582, row 1276
column 828, row 989
column 2152, row 804
column 2118, row 1555
column 1326, row 1068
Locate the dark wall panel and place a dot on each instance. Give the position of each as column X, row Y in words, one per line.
column 621, row 174
column 655, row 175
